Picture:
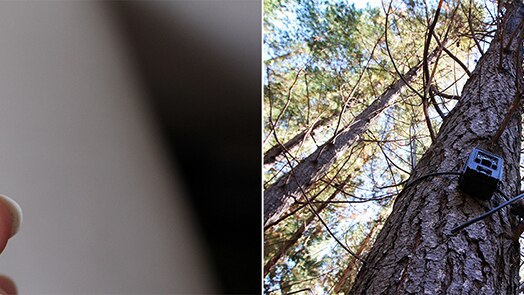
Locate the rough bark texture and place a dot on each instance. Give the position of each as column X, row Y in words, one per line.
column 415, row 253
column 276, row 151
column 281, row 194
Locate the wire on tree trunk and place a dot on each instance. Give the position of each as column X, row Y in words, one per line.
column 470, row 222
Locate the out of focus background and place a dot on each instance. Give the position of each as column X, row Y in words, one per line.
column 130, row 137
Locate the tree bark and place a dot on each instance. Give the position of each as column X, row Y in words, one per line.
column 276, row 151
column 281, row 194
column 415, row 253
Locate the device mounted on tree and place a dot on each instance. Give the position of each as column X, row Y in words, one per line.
column 482, row 174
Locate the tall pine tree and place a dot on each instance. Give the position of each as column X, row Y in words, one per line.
column 415, row 252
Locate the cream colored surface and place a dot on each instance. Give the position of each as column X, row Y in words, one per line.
column 102, row 213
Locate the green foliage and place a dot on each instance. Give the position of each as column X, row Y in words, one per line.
column 313, row 49
column 325, row 58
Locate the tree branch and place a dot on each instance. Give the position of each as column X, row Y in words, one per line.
column 425, row 68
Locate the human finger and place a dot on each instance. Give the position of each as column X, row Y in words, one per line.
column 10, row 219
column 7, row 286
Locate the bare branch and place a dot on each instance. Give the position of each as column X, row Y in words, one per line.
column 442, row 94
column 391, row 56
column 450, row 54
column 425, row 68
column 472, row 30
column 518, row 96
column 354, row 88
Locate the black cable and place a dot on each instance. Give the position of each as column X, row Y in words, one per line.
column 404, row 189
column 454, row 230
column 427, row 176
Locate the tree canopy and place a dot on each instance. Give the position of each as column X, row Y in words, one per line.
column 328, row 61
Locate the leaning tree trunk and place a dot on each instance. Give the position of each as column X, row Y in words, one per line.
column 277, row 150
column 280, row 195
column 415, row 252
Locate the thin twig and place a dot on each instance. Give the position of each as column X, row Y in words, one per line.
column 354, row 201
column 518, row 95
column 442, row 94
column 441, row 47
column 301, row 290
column 328, row 184
column 324, row 223
column 273, row 124
column 391, row 56
column 470, row 24
column 425, row 68
column 450, row 54
column 513, row 34
column 354, row 88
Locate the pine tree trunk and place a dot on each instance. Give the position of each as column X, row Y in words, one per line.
column 276, row 151
column 415, row 253
column 281, row 194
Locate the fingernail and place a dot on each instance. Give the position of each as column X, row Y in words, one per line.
column 16, row 213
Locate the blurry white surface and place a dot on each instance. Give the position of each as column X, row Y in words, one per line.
column 77, row 151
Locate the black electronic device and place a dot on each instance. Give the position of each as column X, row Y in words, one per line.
column 482, row 174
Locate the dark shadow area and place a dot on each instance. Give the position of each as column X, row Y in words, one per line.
column 205, row 92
